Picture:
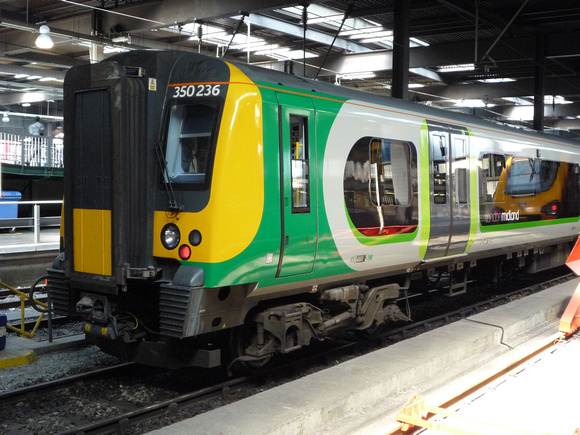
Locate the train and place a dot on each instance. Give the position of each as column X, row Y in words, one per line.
column 221, row 213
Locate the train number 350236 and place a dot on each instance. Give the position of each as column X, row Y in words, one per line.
column 196, row 91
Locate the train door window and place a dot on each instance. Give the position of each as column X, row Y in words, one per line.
column 299, row 164
column 492, row 166
column 460, row 165
column 190, row 138
column 439, row 153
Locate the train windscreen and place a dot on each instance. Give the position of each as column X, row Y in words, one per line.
column 190, row 140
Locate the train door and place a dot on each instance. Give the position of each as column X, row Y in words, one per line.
column 449, row 188
column 298, row 185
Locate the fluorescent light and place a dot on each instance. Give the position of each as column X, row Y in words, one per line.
column 375, row 33
column 21, row 76
column 555, row 99
column 466, row 102
column 107, row 49
column 419, row 42
column 415, row 85
column 119, row 39
column 529, row 100
column 361, row 31
column 283, row 53
column 5, row 118
column 497, row 80
column 453, row 68
column 357, row 75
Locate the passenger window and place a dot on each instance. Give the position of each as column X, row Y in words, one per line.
column 523, row 177
column 299, row 164
column 389, row 173
column 190, row 141
column 523, row 189
column 380, row 187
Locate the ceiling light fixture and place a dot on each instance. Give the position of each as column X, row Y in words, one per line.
column 44, row 40
column 5, row 117
column 357, row 75
column 123, row 38
column 454, row 68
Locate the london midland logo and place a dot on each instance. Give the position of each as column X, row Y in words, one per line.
column 505, row 216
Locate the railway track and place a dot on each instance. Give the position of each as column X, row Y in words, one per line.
column 8, row 299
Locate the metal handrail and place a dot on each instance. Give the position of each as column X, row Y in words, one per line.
column 36, row 151
column 23, row 297
column 36, row 218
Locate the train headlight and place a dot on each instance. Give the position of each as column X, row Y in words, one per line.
column 170, row 236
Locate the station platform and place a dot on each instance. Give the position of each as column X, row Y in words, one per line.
column 23, row 350
column 363, row 395
column 22, row 240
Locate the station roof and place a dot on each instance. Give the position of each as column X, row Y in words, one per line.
column 476, row 56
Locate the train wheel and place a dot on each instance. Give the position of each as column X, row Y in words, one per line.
column 374, row 331
column 243, row 338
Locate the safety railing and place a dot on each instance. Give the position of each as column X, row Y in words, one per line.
column 35, row 221
column 26, row 299
column 36, row 151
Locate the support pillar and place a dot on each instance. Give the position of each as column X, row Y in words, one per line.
column 401, row 32
column 539, row 82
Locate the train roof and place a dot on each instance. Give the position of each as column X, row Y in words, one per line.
column 261, row 74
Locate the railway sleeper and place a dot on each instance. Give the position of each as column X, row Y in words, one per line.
column 286, row 328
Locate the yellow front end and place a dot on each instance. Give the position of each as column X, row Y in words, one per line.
column 231, row 219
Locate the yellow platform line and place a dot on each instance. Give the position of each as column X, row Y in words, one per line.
column 17, row 359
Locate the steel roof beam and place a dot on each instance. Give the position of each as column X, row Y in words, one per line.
column 313, row 35
column 168, row 12
column 553, row 86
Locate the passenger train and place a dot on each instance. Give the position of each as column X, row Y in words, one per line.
column 217, row 211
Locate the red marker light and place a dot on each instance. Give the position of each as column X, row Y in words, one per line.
column 184, row 252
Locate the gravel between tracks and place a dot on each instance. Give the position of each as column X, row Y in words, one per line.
column 50, row 366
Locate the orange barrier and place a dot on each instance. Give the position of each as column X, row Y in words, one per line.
column 571, row 318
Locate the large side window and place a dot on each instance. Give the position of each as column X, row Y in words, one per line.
column 299, row 164
column 390, row 182
column 521, row 189
column 380, row 186
column 190, row 139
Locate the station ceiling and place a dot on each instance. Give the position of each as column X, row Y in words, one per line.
column 477, row 56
